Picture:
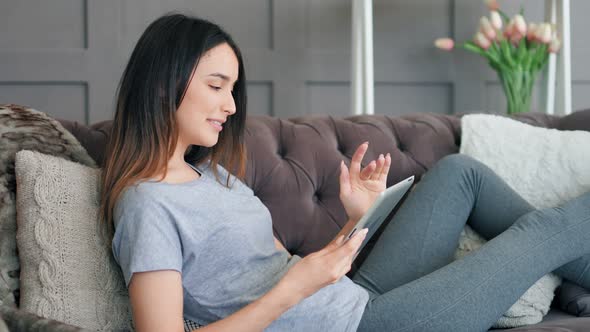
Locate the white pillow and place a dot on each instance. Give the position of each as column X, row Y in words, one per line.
column 67, row 270
column 545, row 166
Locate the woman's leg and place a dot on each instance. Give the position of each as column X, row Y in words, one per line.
column 457, row 177
column 470, row 294
column 424, row 233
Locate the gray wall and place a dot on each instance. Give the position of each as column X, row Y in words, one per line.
column 65, row 57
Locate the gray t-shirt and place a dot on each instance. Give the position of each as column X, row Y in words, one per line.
column 221, row 241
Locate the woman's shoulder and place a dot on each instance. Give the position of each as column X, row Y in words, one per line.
column 138, row 192
column 234, row 182
column 137, row 197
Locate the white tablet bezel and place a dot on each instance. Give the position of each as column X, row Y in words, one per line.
column 381, row 208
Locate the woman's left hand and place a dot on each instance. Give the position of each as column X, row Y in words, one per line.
column 360, row 188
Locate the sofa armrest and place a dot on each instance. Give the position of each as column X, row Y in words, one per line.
column 579, row 120
column 20, row 320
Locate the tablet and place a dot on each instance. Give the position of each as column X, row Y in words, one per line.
column 384, row 204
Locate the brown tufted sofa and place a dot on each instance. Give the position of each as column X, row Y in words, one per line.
column 293, row 168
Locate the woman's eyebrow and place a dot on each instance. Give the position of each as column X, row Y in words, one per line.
column 220, row 75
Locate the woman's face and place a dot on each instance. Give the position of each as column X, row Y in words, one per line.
column 208, row 101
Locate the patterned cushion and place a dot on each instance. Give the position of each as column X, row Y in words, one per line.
column 3, row 327
column 189, row 325
column 25, row 128
column 68, row 271
column 20, row 320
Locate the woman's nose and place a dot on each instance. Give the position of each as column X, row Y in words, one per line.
column 230, row 105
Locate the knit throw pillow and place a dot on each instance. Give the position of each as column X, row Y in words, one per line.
column 25, row 128
column 67, row 270
column 545, row 166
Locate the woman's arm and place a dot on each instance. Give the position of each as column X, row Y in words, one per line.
column 156, row 300
column 257, row 315
column 156, row 296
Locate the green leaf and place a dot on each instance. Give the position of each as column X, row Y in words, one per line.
column 540, row 56
column 543, row 61
column 528, row 58
column 470, row 46
column 492, row 57
column 501, row 67
column 507, row 53
column 521, row 52
column 504, row 16
column 494, row 50
column 495, row 66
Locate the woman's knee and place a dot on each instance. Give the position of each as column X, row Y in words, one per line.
column 460, row 167
column 537, row 218
column 459, row 163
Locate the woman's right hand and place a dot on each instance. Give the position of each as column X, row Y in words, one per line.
column 322, row 267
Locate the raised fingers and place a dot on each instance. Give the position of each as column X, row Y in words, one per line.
column 369, row 170
column 353, row 244
column 344, row 179
column 386, row 167
column 380, row 163
column 357, row 157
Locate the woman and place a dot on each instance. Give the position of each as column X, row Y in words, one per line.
column 194, row 241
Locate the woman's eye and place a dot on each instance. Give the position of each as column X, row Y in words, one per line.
column 216, row 88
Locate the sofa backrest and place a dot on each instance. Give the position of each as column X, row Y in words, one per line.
column 293, row 164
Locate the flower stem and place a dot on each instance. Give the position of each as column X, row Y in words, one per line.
column 517, row 86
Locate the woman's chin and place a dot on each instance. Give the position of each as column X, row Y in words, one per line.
column 211, row 143
column 207, row 142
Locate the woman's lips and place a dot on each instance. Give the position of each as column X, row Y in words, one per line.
column 216, row 124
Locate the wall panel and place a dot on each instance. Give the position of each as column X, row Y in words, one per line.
column 68, row 55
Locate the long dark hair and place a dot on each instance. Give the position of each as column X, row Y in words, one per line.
column 144, row 132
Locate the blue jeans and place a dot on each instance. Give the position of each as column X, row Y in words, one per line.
column 415, row 285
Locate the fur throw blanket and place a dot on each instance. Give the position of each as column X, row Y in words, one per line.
column 25, row 128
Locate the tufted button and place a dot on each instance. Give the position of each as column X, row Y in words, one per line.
column 281, row 152
column 341, row 149
column 317, row 197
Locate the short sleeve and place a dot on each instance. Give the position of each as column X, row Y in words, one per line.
column 146, row 236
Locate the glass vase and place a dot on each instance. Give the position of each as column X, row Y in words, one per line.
column 518, row 89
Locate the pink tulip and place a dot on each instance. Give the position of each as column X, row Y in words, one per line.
column 555, row 45
column 496, row 20
column 531, row 32
column 520, row 25
column 492, row 4
column 486, row 28
column 515, row 38
column 540, row 31
column 545, row 34
column 508, row 30
column 481, row 40
column 445, row 44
